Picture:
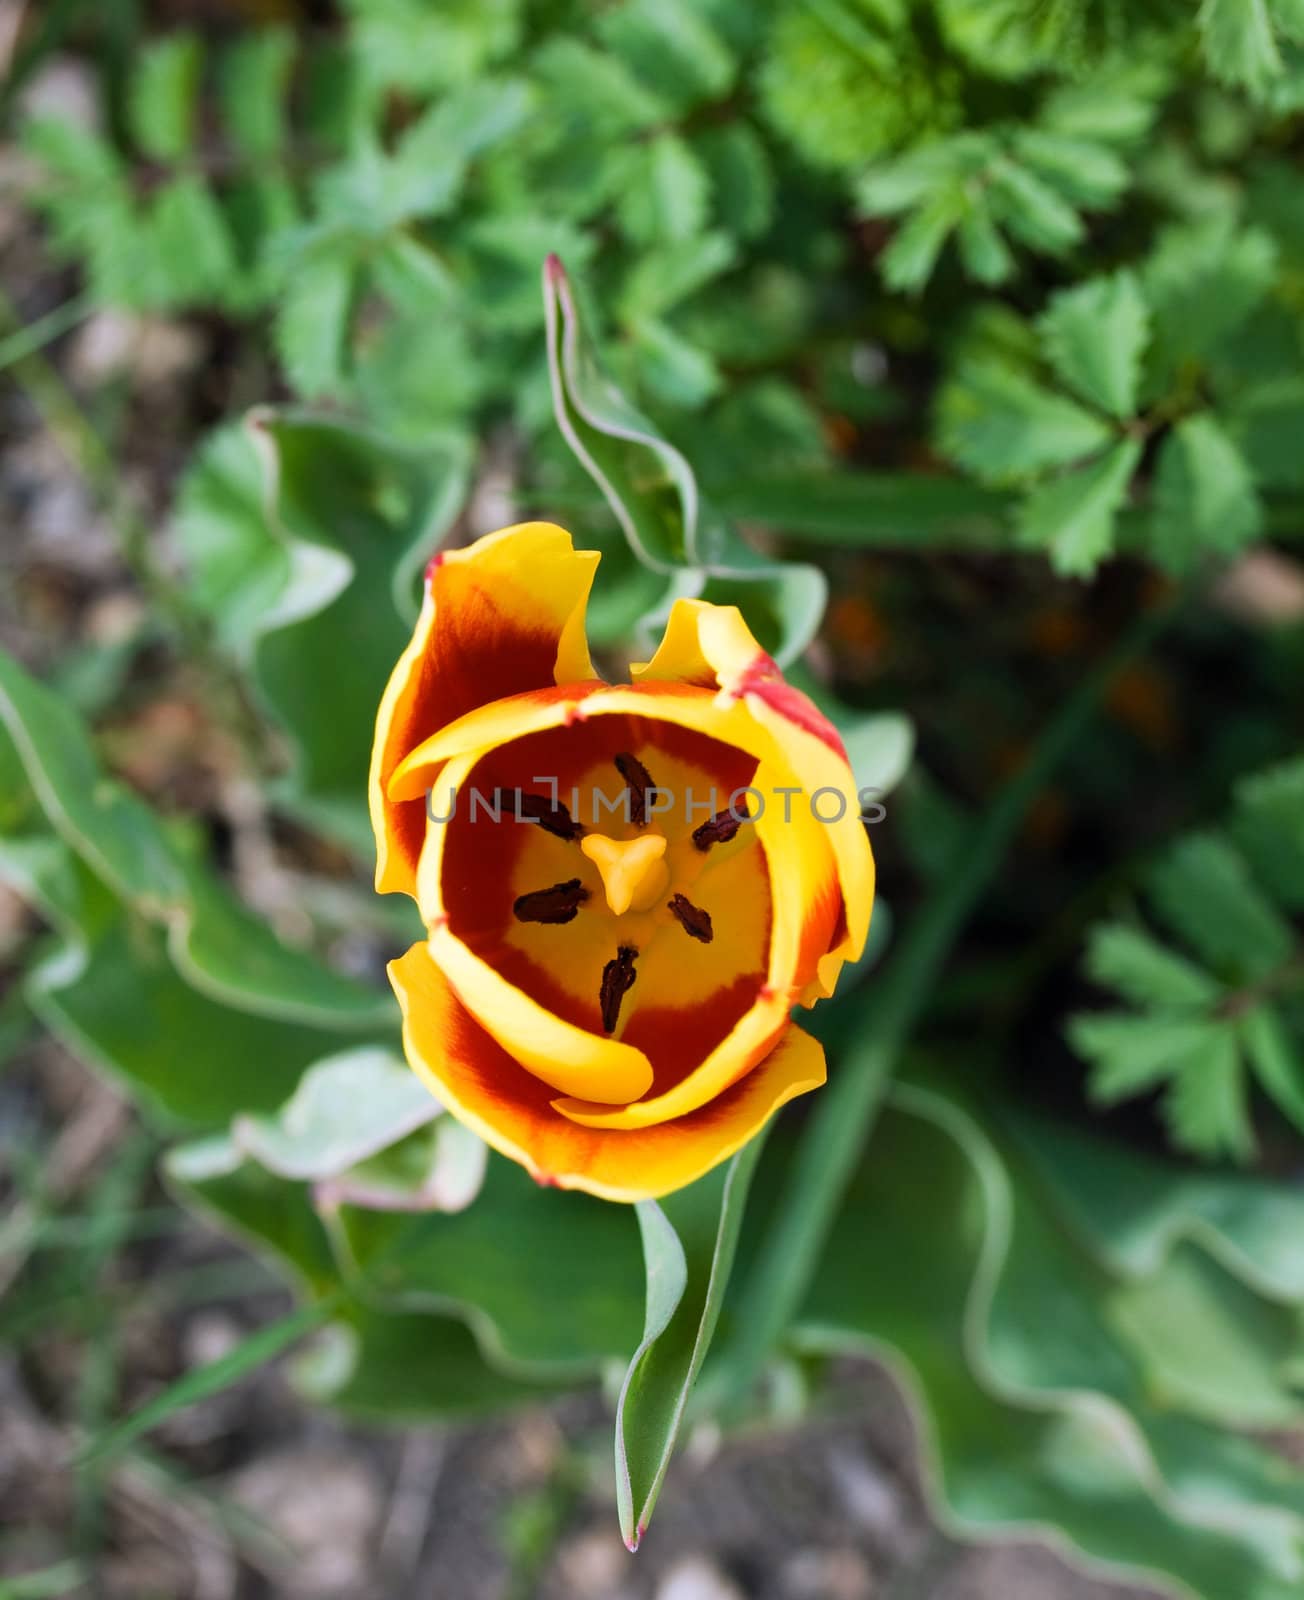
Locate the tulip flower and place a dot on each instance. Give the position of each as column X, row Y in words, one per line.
column 626, row 888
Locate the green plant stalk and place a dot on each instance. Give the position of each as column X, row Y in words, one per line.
column 842, row 1118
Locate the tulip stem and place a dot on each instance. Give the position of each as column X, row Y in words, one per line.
column 843, row 1114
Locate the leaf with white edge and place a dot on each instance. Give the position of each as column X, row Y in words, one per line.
column 653, row 492
column 1131, row 1208
column 880, row 748
column 1001, row 426
column 441, row 1167
column 1036, row 1422
column 110, row 828
column 1095, row 335
column 689, row 1241
column 1073, row 516
column 647, row 482
column 1205, row 502
column 548, row 1279
column 346, row 1108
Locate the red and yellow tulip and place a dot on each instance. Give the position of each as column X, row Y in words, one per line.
column 604, row 994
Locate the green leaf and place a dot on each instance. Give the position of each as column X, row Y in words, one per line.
column 666, row 192
column 1051, row 1425
column 908, row 261
column 1142, row 970
column 1268, row 826
column 688, row 1248
column 1131, row 1053
column 1095, row 335
column 1073, row 515
column 1202, row 281
column 547, row 1279
column 392, row 1367
column 1205, row 1108
column 112, row 830
column 164, row 86
column 1267, row 421
column 1239, row 44
column 880, row 747
column 254, row 83
column 1276, row 1060
column 671, row 48
column 1001, row 426
column 190, row 243
column 1204, row 497
column 312, row 321
column 346, row 1107
column 741, row 176
column 1204, row 892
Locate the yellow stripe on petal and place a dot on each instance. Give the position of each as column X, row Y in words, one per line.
column 501, row 616
column 567, row 1058
column 711, row 644
column 485, row 1089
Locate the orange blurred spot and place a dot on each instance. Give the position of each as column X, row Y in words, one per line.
column 1141, row 698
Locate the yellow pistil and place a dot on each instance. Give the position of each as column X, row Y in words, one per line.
column 634, row 873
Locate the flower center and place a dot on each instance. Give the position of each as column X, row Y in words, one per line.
column 634, row 872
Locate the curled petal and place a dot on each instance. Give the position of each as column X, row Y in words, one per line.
column 711, row 646
column 478, row 1080
column 502, row 616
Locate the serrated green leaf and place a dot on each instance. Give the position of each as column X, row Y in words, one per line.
column 742, row 178
column 1032, row 210
column 1123, row 957
column 1204, row 892
column 1205, row 1106
column 1268, row 827
column 1276, row 1060
column 189, row 243
column 675, row 371
column 1202, row 281
column 1267, row 422
column 595, row 86
column 164, row 87
column 671, row 48
column 662, row 277
column 254, row 82
column 665, row 193
column 985, row 254
column 908, row 261
column 1239, row 44
column 1132, row 1052
column 1073, row 515
column 1094, row 336
column 689, row 1241
column 1001, row 426
column 1205, row 501
column 312, row 322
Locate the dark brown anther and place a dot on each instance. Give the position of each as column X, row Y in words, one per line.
column 617, row 981
column 695, row 922
column 550, row 815
column 721, row 828
column 561, row 903
column 639, row 782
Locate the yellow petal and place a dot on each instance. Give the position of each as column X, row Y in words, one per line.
column 567, row 1058
column 702, row 639
column 503, row 615
column 485, row 1089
